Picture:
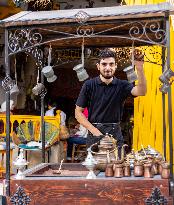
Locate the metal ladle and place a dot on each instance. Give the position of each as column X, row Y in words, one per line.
column 59, row 170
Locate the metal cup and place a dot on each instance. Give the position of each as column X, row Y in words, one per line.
column 49, row 74
column 39, row 89
column 167, row 74
column 81, row 72
column 131, row 74
column 14, row 90
column 165, row 88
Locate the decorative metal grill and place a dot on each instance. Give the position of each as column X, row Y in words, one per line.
column 82, row 17
column 43, row 3
column 43, row 93
column 7, row 83
column 37, row 54
column 20, row 197
column 28, row 40
column 23, row 39
column 156, row 198
column 147, row 31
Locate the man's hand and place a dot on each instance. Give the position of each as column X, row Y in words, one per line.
column 84, row 121
column 138, row 59
column 138, row 55
column 141, row 88
column 139, row 65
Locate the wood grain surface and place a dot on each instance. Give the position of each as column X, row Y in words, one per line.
column 105, row 191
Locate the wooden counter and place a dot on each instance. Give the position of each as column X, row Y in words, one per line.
column 82, row 191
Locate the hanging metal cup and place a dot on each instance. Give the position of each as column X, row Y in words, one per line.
column 165, row 88
column 39, row 89
column 14, row 90
column 81, row 72
column 49, row 74
column 165, row 77
column 131, row 74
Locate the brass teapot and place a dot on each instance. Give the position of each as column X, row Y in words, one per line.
column 107, row 152
column 106, row 146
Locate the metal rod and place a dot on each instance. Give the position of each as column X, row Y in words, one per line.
column 7, row 98
column 42, row 123
column 163, row 107
column 169, row 96
column 91, row 36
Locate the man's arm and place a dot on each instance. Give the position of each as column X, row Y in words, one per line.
column 141, row 88
column 83, row 121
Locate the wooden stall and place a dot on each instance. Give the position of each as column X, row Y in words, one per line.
column 116, row 27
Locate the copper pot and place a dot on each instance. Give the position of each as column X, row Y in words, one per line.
column 127, row 172
column 148, row 170
column 109, row 170
column 138, row 169
column 165, row 174
column 155, row 168
column 118, row 172
column 160, row 167
column 117, row 162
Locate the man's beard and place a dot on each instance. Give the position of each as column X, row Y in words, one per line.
column 107, row 76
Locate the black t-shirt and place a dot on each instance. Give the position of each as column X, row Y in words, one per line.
column 104, row 102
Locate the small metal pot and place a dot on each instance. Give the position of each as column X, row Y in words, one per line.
column 118, row 172
column 127, row 172
column 165, row 174
column 148, row 170
column 138, row 169
column 109, row 170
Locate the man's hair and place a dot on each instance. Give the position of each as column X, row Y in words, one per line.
column 106, row 53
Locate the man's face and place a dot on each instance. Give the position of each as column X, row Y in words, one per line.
column 107, row 67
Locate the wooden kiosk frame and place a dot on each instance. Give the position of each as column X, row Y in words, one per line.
column 120, row 26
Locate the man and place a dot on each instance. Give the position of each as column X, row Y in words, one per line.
column 104, row 96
